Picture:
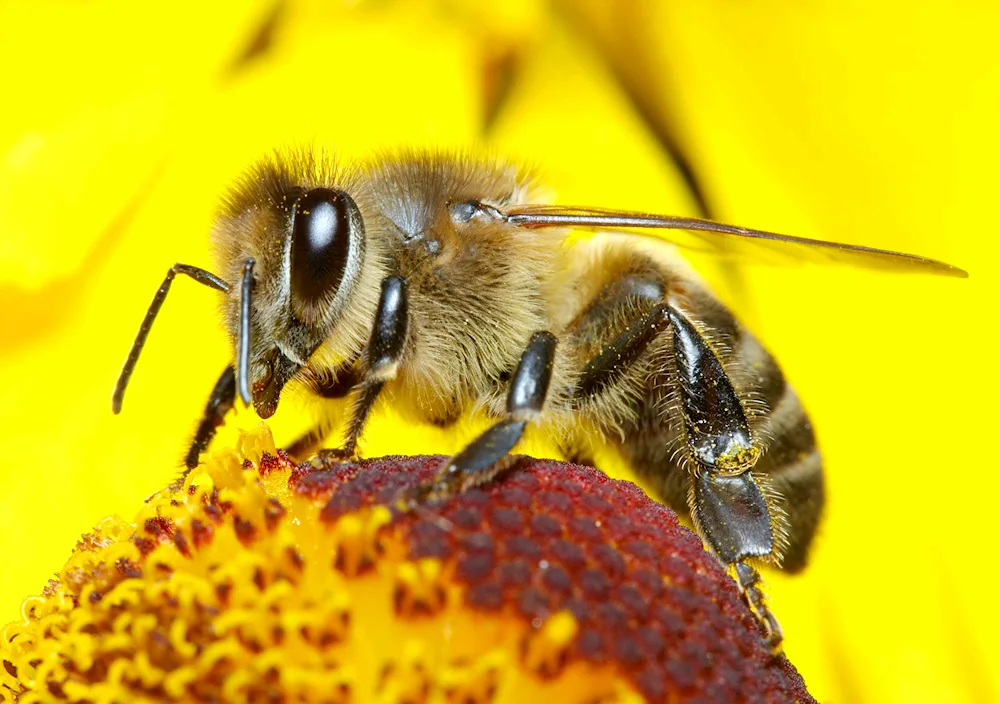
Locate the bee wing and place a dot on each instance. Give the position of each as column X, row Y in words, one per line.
column 705, row 235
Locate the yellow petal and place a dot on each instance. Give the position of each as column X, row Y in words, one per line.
column 90, row 97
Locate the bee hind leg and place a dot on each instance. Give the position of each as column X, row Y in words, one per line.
column 727, row 503
column 729, row 506
column 487, row 455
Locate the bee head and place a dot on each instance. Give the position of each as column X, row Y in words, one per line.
column 295, row 252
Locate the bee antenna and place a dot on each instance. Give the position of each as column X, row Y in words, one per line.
column 243, row 343
column 201, row 276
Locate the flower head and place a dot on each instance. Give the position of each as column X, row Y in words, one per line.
column 266, row 581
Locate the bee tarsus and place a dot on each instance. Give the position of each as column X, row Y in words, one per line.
column 381, row 362
column 748, row 579
column 334, row 383
column 364, row 400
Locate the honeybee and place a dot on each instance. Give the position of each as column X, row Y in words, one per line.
column 431, row 278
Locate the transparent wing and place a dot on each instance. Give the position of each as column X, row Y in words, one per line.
column 705, row 235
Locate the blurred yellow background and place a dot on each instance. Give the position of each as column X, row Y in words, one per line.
column 122, row 122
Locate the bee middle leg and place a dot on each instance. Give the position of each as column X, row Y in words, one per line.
column 335, row 384
column 380, row 364
column 488, row 454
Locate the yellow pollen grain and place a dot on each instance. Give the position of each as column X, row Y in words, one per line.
column 547, row 648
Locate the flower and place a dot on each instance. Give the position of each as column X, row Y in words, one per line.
column 265, row 581
column 868, row 124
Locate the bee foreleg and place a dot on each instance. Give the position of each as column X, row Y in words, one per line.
column 220, row 402
column 486, row 456
column 381, row 363
column 728, row 507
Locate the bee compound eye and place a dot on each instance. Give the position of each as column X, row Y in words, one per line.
column 324, row 224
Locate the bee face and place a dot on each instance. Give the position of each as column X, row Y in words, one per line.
column 307, row 244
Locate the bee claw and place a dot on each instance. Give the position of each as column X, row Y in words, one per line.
column 171, row 488
column 412, row 498
column 330, row 457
